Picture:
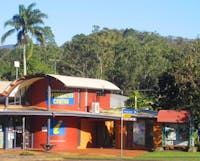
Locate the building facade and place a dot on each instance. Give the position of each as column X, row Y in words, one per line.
column 62, row 112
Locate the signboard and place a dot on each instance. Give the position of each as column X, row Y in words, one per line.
column 44, row 129
column 130, row 119
column 139, row 132
column 128, row 114
column 57, row 128
column 61, row 97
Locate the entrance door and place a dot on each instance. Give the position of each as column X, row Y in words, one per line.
column 149, row 133
column 18, row 132
column 11, row 132
column 19, row 136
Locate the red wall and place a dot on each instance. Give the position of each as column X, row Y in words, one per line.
column 37, row 95
column 65, row 142
column 39, row 136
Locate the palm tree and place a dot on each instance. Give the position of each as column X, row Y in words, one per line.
column 27, row 23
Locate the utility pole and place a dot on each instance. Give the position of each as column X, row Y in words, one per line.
column 55, row 64
column 135, row 102
column 16, row 65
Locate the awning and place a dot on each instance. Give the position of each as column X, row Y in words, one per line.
column 89, row 83
column 174, row 116
column 54, row 114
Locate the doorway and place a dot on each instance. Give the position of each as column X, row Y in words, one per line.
column 149, row 133
column 18, row 140
column 14, row 134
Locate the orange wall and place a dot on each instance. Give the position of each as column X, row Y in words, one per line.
column 96, row 133
column 118, row 134
column 86, row 134
column 39, row 136
column 67, row 141
column 37, row 95
column 157, row 134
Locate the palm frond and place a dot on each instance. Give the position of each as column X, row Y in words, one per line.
column 39, row 34
column 21, row 9
column 8, row 33
column 31, row 6
column 9, row 23
column 27, row 21
column 20, row 38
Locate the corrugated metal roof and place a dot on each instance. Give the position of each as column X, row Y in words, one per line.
column 90, row 83
column 3, row 85
column 175, row 116
column 22, row 84
column 68, row 81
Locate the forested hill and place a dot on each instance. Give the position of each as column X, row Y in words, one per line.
column 165, row 69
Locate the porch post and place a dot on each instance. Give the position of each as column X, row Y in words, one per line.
column 86, row 100
column 6, row 134
column 163, row 135
column 49, row 94
column 6, row 102
column 49, row 108
column 23, row 132
column 79, row 99
column 122, row 137
column 191, row 129
column 48, row 129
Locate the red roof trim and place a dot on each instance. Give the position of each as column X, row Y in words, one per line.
column 174, row 116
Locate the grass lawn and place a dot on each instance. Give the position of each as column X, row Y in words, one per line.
column 170, row 156
column 151, row 156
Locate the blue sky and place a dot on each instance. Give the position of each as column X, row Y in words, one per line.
column 70, row 17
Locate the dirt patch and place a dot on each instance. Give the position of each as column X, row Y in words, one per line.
column 101, row 152
column 12, row 155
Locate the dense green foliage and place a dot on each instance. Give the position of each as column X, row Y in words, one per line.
column 27, row 23
column 165, row 70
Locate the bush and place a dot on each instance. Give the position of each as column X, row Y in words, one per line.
column 198, row 146
column 26, row 153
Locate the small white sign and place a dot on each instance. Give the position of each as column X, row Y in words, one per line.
column 130, row 119
column 44, row 129
column 16, row 64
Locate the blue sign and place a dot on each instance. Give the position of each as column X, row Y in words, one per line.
column 128, row 111
column 57, row 128
column 61, row 97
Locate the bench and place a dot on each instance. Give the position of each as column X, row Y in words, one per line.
column 47, row 147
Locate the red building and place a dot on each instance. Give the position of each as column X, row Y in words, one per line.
column 66, row 112
column 177, row 128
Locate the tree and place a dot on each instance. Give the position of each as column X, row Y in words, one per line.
column 139, row 60
column 26, row 23
column 78, row 51
column 93, row 54
column 137, row 100
column 179, row 86
column 168, row 92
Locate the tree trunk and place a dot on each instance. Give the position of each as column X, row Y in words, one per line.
column 24, row 59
